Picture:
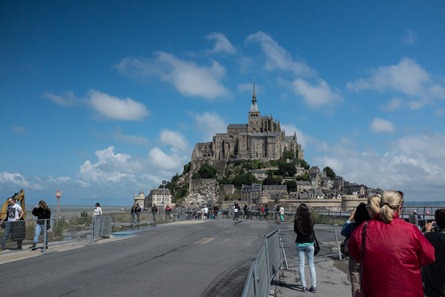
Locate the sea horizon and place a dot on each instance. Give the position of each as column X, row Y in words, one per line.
column 87, row 207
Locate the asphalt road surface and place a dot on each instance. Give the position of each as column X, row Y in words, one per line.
column 211, row 258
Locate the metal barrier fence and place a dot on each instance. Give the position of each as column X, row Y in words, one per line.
column 265, row 266
column 102, row 227
column 57, row 230
column 272, row 257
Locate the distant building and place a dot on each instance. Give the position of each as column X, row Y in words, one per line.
column 275, row 191
column 139, row 199
column 261, row 138
column 251, row 193
column 161, row 197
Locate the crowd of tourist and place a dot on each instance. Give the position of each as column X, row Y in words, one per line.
column 388, row 256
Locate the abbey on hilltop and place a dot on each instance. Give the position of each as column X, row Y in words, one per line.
column 261, row 138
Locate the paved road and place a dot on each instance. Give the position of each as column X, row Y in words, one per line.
column 211, row 258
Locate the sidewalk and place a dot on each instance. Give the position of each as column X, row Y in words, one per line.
column 332, row 279
column 10, row 255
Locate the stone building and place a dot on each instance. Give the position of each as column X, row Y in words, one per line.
column 251, row 193
column 261, row 138
column 276, row 191
column 139, row 199
column 161, row 197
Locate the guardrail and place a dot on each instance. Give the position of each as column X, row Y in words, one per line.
column 265, row 266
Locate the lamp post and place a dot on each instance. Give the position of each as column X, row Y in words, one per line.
column 58, row 196
column 164, row 183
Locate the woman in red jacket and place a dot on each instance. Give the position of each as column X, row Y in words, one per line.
column 393, row 252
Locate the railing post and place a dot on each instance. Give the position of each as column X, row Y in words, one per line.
column 45, row 236
column 336, row 242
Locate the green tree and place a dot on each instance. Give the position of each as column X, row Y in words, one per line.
column 271, row 181
column 286, row 169
column 303, row 177
column 329, row 172
column 207, row 171
column 175, row 178
column 304, row 164
column 291, row 185
column 289, row 154
column 224, row 180
column 244, row 179
column 187, row 167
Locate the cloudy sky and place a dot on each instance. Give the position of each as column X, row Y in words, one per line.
column 102, row 99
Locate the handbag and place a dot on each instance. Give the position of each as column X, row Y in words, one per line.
column 359, row 292
column 344, row 247
column 316, row 245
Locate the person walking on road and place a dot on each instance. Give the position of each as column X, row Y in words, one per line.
column 304, row 228
column 43, row 214
column 154, row 212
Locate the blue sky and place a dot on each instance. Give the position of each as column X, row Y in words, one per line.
column 102, row 99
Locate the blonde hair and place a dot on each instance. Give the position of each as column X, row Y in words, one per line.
column 390, row 204
column 374, row 202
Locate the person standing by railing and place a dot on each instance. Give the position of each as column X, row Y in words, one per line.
column 154, row 211
column 433, row 275
column 97, row 214
column 12, row 216
column 43, row 214
column 168, row 212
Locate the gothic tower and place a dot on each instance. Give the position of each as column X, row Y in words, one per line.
column 253, row 123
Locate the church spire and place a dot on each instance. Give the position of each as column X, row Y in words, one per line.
column 254, row 92
column 254, row 107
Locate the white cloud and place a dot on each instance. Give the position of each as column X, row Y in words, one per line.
column 189, row 78
column 174, row 139
column 316, row 96
column 277, row 58
column 133, row 139
column 115, row 108
column 138, row 68
column 414, row 165
column 13, row 182
column 407, row 77
column 16, row 179
column 164, row 161
column 110, row 167
column 437, row 91
column 222, row 44
column 248, row 87
column 381, row 126
column 290, row 130
column 209, row 124
column 410, row 37
column 393, row 104
column 18, row 129
column 68, row 99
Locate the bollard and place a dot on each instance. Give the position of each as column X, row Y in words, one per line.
column 336, row 242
